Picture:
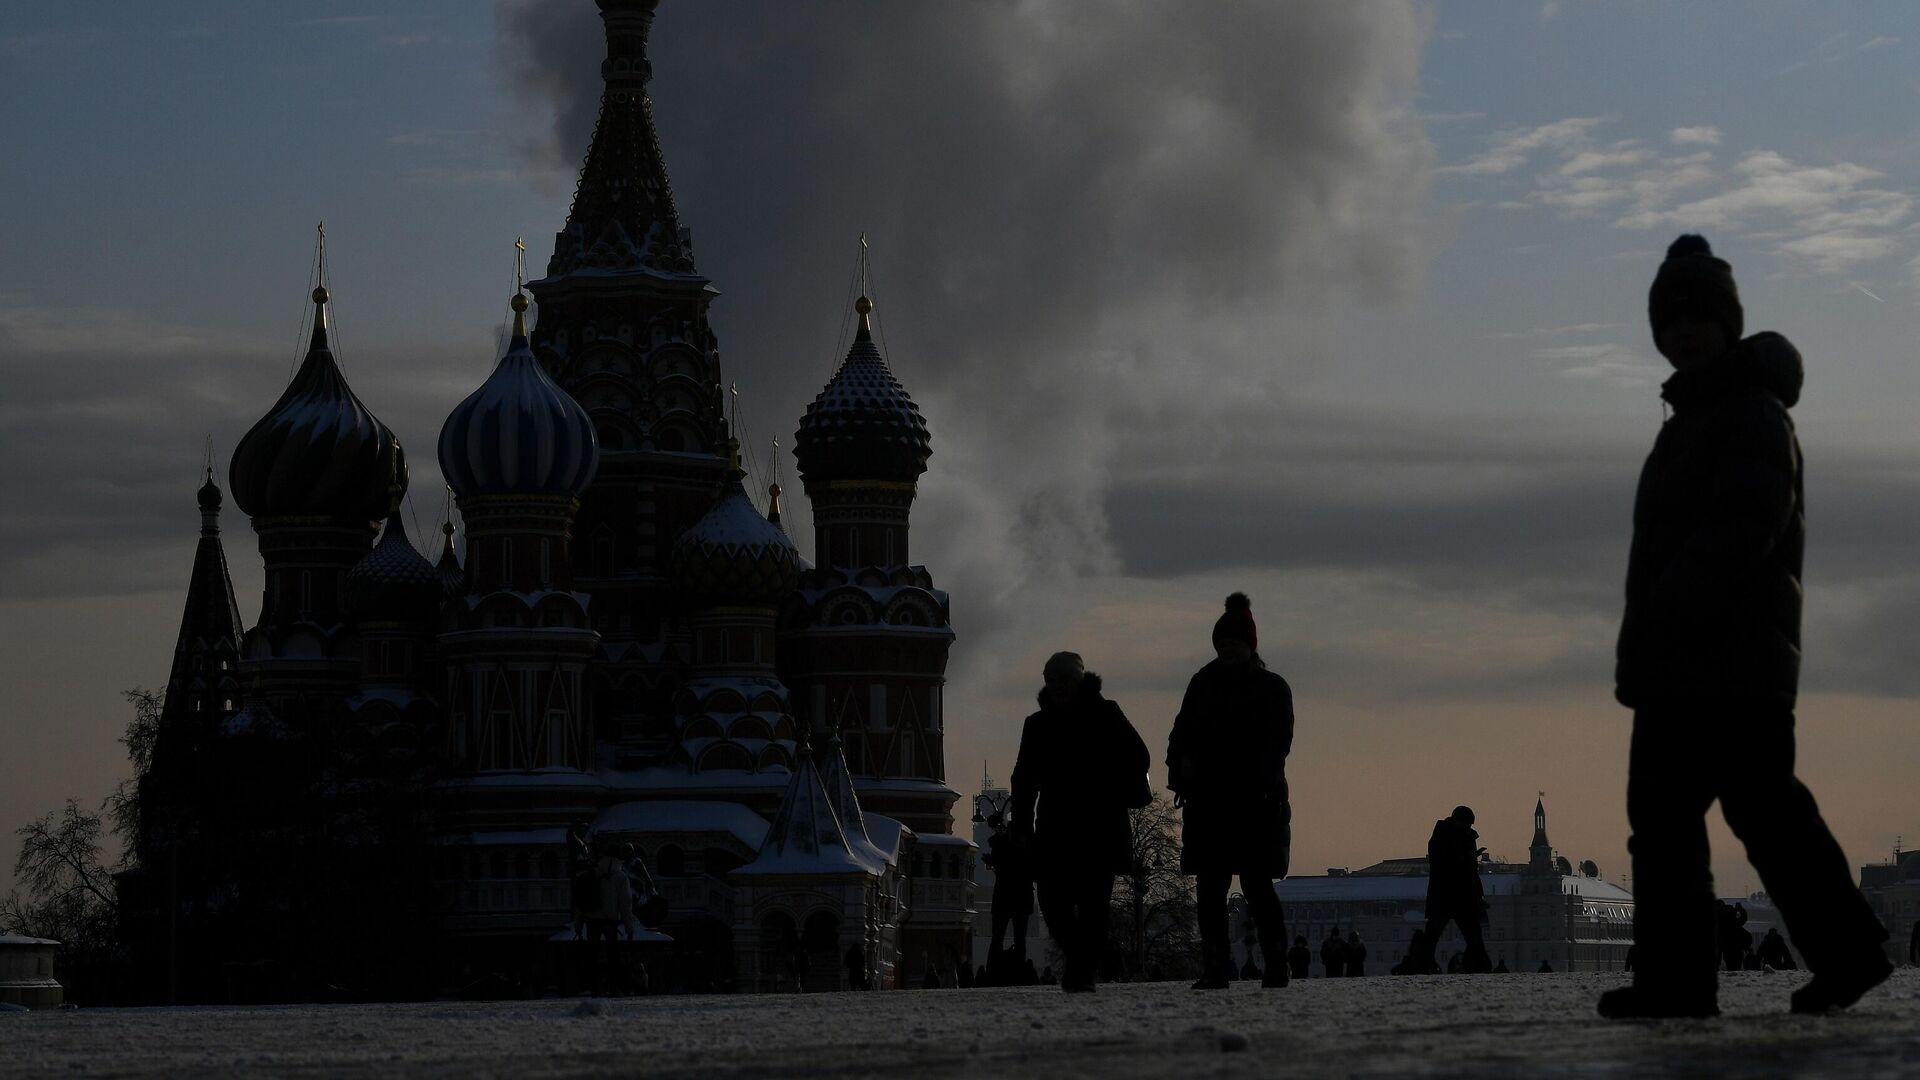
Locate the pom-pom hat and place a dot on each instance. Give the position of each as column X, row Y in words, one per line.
column 1694, row 281
column 1236, row 623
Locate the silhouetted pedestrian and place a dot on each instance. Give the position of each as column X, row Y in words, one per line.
column 1084, row 765
column 1299, row 958
column 1227, row 768
column 1356, row 956
column 1913, row 944
column 603, row 903
column 1709, row 660
column 1632, row 955
column 856, row 961
column 1730, row 927
column 1454, row 893
column 1773, row 951
column 1501, row 968
column 1333, row 954
column 1012, row 887
column 1546, row 968
column 1045, row 978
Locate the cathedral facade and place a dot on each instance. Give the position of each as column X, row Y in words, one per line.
column 375, row 789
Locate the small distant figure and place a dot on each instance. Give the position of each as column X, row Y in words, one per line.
column 1501, row 967
column 930, row 978
column 1417, row 961
column 1084, row 765
column 1546, row 968
column 1773, row 951
column 1731, row 928
column 603, row 904
column 1633, row 954
column 1227, row 769
column 966, row 974
column 1454, row 893
column 1356, row 956
column 1913, row 944
column 1299, row 958
column 1709, row 660
column 1045, row 978
column 1333, row 954
column 1249, row 970
column 856, row 961
column 1012, row 887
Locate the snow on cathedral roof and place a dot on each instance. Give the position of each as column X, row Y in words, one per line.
column 838, row 781
column 806, row 836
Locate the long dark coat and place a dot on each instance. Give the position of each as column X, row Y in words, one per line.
column 1227, row 758
column 1719, row 528
column 1453, row 873
column 1078, row 762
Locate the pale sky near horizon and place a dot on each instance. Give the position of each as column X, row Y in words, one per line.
column 1340, row 305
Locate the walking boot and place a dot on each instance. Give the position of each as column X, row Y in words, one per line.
column 1213, row 968
column 1638, row 1003
column 1831, row 991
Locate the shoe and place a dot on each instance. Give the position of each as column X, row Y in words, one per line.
column 1210, row 982
column 1634, row 1003
column 1274, row 980
column 1832, row 991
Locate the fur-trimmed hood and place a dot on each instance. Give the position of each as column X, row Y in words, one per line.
column 1089, row 691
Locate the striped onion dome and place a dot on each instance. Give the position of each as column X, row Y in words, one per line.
column 318, row 452
column 862, row 426
column 735, row 554
column 394, row 581
column 519, row 434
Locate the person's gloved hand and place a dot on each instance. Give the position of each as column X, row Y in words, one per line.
column 1179, row 800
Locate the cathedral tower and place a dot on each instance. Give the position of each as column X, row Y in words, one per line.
column 623, row 328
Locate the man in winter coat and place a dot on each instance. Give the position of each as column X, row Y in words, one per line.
column 1333, row 954
column 1300, row 958
column 1227, row 767
column 1454, row 894
column 1709, row 660
column 603, row 902
column 1080, row 761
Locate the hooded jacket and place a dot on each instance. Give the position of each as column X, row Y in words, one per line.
column 1077, row 761
column 1453, row 873
column 1227, row 758
column 1719, row 532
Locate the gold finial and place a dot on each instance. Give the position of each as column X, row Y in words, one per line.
column 519, row 301
column 864, row 306
column 733, row 455
column 773, row 503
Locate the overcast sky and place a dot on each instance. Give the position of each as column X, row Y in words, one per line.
column 1339, row 305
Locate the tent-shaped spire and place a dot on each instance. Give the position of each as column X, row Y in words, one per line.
column 201, row 687
column 838, row 780
column 806, row 836
column 623, row 219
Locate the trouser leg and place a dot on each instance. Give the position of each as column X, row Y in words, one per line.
column 1057, row 908
column 1670, row 784
column 1430, row 941
column 1001, row 918
column 1800, row 863
column 1210, row 901
column 1476, row 958
column 1020, row 934
column 1096, row 906
column 1268, row 917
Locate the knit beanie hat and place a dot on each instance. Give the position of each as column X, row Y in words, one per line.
column 1064, row 666
column 1692, row 281
column 1236, row 624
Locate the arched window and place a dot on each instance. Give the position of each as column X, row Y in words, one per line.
column 671, row 862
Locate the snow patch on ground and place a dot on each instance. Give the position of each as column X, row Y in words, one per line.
column 1439, row 1026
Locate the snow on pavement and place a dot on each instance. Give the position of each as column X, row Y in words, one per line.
column 1442, row 1026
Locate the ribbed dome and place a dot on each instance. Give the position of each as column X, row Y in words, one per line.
column 318, row 451
column 394, row 581
column 519, row 434
column 863, row 426
column 734, row 553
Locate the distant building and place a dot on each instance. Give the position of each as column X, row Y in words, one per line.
column 1893, row 888
column 1542, row 910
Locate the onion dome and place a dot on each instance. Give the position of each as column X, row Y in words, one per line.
column 318, row 452
column 394, row 582
column 734, row 553
column 863, row 426
column 209, row 495
column 519, row 434
column 453, row 580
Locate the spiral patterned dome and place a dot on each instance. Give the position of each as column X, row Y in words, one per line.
column 394, row 581
column 735, row 554
column 863, row 426
column 318, row 452
column 519, row 434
